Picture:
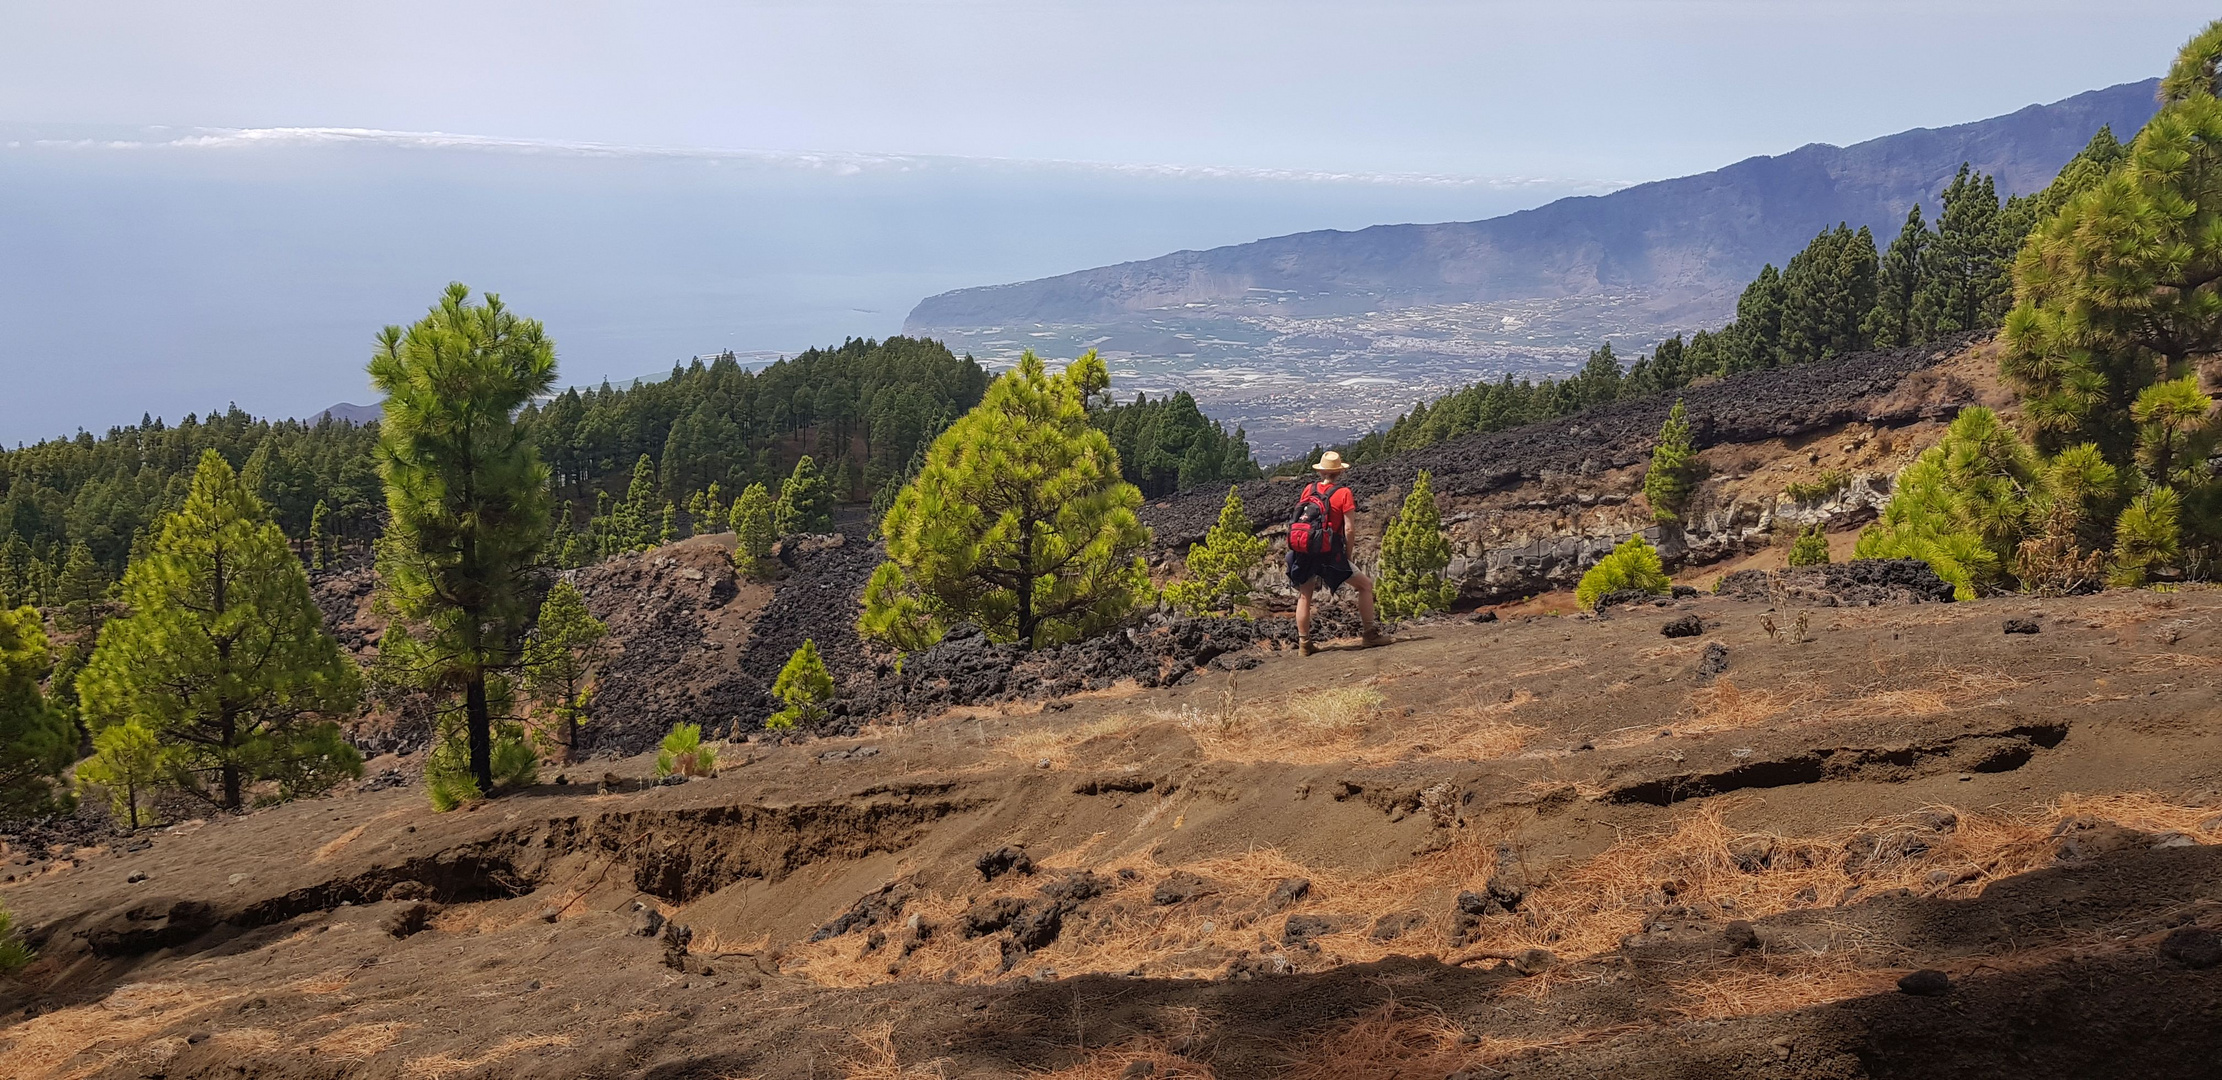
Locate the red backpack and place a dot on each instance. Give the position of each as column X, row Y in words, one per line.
column 1310, row 532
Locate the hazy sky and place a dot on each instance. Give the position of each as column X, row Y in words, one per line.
column 1619, row 89
column 169, row 270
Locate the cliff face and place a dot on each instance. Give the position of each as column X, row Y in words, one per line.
column 1683, row 245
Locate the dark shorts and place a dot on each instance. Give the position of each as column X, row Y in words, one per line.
column 1331, row 570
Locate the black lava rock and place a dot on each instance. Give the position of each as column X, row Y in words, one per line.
column 1075, row 888
column 1288, row 893
column 1858, row 583
column 1300, row 929
column 1740, row 937
column 1713, row 663
column 1619, row 597
column 990, row 916
column 1003, row 860
column 1927, row 982
column 2021, row 626
column 1686, row 626
column 2193, row 947
column 1180, row 886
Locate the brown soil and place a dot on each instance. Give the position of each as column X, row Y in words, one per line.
column 1540, row 847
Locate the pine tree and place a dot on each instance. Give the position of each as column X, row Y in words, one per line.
column 805, row 501
column 80, row 590
column 1890, row 324
column 1414, row 554
column 685, row 754
column 37, row 740
column 804, row 687
column 1963, row 506
column 1964, row 277
column 128, row 761
column 17, row 586
column 224, row 656
column 1828, row 291
column 316, row 536
column 2175, row 421
column 2147, row 537
column 1019, row 522
column 2117, row 290
column 633, row 524
column 466, row 492
column 1754, row 340
column 560, row 662
column 1674, row 468
column 1217, row 575
column 668, row 530
column 1633, row 564
column 14, row 954
column 753, row 533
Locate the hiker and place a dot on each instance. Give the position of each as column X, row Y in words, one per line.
column 1319, row 551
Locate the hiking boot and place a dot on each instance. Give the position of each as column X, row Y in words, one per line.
column 1304, row 646
column 1375, row 636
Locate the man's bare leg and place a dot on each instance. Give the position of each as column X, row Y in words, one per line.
column 1364, row 586
column 1304, row 613
column 1373, row 634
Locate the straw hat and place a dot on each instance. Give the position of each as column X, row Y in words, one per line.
column 1330, row 463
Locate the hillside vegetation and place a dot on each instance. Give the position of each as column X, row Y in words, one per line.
column 1026, row 774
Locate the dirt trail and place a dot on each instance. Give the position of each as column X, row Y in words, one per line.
column 1543, row 847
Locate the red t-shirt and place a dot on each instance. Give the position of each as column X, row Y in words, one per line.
column 1339, row 503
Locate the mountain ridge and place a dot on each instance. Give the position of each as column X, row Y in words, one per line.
column 1509, row 256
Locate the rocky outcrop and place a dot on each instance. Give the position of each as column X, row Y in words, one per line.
column 1529, row 509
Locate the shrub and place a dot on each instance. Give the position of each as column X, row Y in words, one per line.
column 1217, row 578
column 2146, row 538
column 447, row 769
column 1632, row 565
column 1414, row 555
column 1811, row 548
column 804, row 686
column 685, row 753
column 1828, row 483
column 1963, row 505
column 14, row 954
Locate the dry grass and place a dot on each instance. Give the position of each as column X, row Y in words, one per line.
column 93, row 1035
column 333, row 846
column 1397, row 1042
column 361, row 1040
column 877, row 1060
column 1575, row 911
column 437, row 1066
column 1391, row 1042
column 1725, row 706
column 2157, row 662
column 1769, row 984
column 1111, row 1063
column 1057, row 745
column 1310, row 727
column 1468, row 734
column 1587, row 908
column 1935, row 691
